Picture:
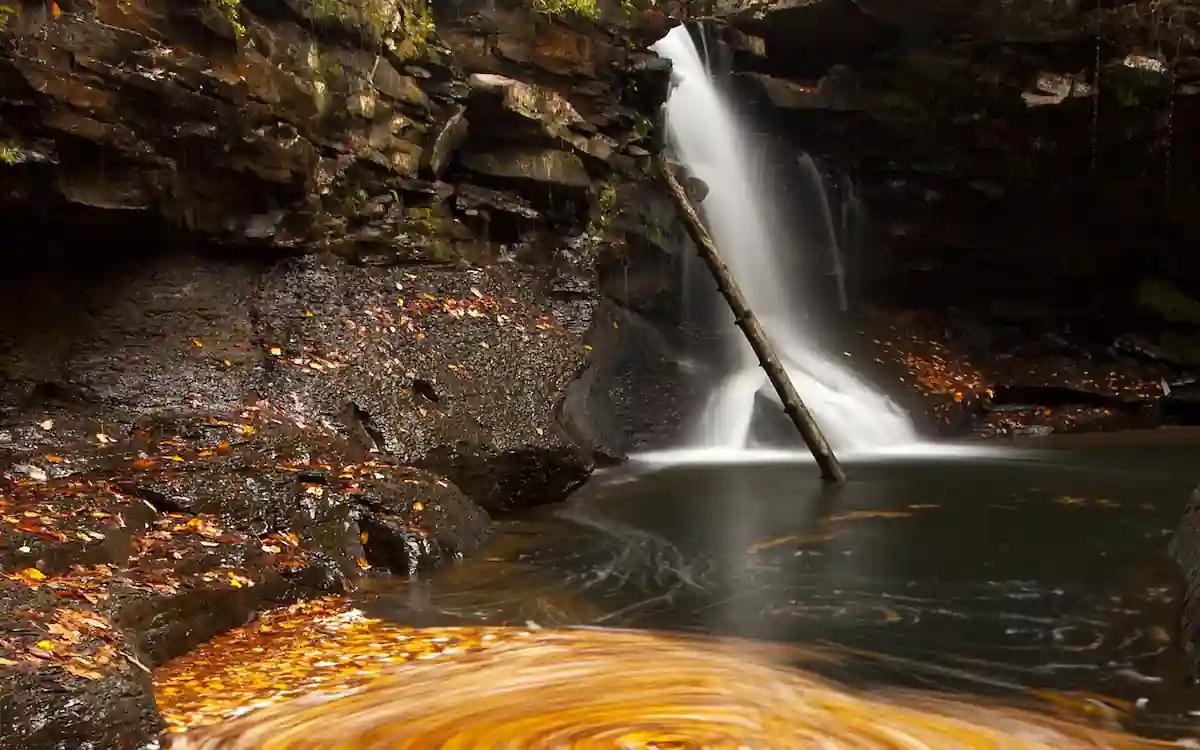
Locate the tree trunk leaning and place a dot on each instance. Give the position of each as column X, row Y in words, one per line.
column 831, row 469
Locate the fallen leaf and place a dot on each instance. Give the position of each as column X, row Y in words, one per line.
column 81, row 671
column 859, row 515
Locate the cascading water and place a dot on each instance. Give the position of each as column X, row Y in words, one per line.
column 829, row 233
column 708, row 140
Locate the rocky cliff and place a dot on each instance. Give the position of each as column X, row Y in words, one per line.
column 297, row 291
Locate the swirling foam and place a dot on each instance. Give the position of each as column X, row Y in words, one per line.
column 621, row 690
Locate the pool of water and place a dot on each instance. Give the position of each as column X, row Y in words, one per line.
column 1036, row 574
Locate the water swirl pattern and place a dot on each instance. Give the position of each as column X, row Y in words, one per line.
column 623, row 690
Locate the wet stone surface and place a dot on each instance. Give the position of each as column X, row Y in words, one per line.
column 127, row 547
column 456, row 371
column 962, row 379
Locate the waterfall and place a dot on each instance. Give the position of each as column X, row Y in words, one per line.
column 707, row 139
column 829, row 234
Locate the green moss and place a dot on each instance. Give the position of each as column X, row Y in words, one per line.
column 604, row 210
column 1168, row 301
column 10, row 154
column 405, row 26
column 583, row 8
column 375, row 18
column 420, row 27
column 441, row 250
column 232, row 10
column 417, row 30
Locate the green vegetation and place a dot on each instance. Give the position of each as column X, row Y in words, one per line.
column 604, row 210
column 418, row 28
column 1168, row 301
column 588, row 8
column 6, row 12
column 632, row 7
column 582, row 8
column 423, row 27
column 232, row 10
column 10, row 154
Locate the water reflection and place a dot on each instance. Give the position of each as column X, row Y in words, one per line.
column 1027, row 572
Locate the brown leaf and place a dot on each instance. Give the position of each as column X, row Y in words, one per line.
column 77, row 669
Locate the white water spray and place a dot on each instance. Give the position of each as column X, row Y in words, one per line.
column 704, row 133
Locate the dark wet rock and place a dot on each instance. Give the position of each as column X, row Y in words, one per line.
column 1185, row 548
column 414, row 520
column 159, row 536
column 450, row 136
column 962, row 376
column 112, row 709
column 640, row 388
column 459, row 372
column 555, row 168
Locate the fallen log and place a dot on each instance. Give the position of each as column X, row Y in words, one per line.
column 831, row 469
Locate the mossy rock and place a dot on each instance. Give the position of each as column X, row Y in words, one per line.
column 582, row 8
column 1166, row 300
column 405, row 26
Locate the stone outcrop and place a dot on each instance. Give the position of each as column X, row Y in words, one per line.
column 308, row 291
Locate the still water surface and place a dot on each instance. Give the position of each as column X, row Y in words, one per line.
column 1021, row 574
